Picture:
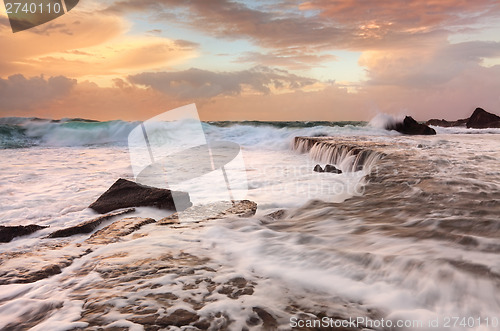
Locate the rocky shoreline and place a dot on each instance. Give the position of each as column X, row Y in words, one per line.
column 162, row 289
column 121, row 285
column 480, row 119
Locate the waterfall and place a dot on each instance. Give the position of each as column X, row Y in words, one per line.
column 346, row 156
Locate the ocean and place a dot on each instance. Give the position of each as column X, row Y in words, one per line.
column 406, row 238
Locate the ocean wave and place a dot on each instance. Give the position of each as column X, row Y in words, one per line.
column 16, row 132
column 29, row 132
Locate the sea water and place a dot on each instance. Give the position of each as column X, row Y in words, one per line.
column 413, row 238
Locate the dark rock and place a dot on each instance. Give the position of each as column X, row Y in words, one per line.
column 332, row 169
column 7, row 233
column 481, row 119
column 268, row 320
column 88, row 226
column 411, row 127
column 180, row 317
column 124, row 194
column 447, row 124
column 318, row 168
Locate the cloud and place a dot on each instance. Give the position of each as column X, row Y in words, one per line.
column 20, row 93
column 75, row 30
column 197, row 83
column 426, row 68
column 290, row 58
column 324, row 24
column 89, row 43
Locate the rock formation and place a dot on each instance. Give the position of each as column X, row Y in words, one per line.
column 480, row 119
column 411, row 127
column 328, row 168
column 318, row 168
column 124, row 194
column 332, row 169
column 446, row 124
column 87, row 226
column 7, row 233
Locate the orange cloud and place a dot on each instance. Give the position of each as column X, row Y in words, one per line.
column 86, row 44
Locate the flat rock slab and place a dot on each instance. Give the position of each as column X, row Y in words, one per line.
column 7, row 233
column 124, row 194
column 50, row 258
column 36, row 263
column 241, row 208
column 116, row 230
column 87, row 226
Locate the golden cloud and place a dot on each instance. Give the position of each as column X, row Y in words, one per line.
column 84, row 44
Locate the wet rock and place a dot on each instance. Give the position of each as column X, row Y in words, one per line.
column 88, row 226
column 481, row 119
column 7, row 233
column 318, row 168
column 411, row 127
column 241, row 208
column 124, row 194
column 180, row 317
column 268, row 321
column 277, row 215
column 332, row 169
column 121, row 228
column 45, row 261
column 237, row 287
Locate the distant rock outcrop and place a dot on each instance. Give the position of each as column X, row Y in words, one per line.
column 411, row 127
column 7, row 233
column 480, row 119
column 447, row 124
column 124, row 194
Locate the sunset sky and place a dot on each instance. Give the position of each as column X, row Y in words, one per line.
column 256, row 60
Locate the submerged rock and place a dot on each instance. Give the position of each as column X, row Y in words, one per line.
column 7, row 233
column 481, row 119
column 87, row 226
column 277, row 215
column 411, row 127
column 216, row 210
column 318, row 168
column 116, row 230
column 124, row 194
column 328, row 168
column 332, row 169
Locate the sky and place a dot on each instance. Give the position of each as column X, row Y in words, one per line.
column 328, row 60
